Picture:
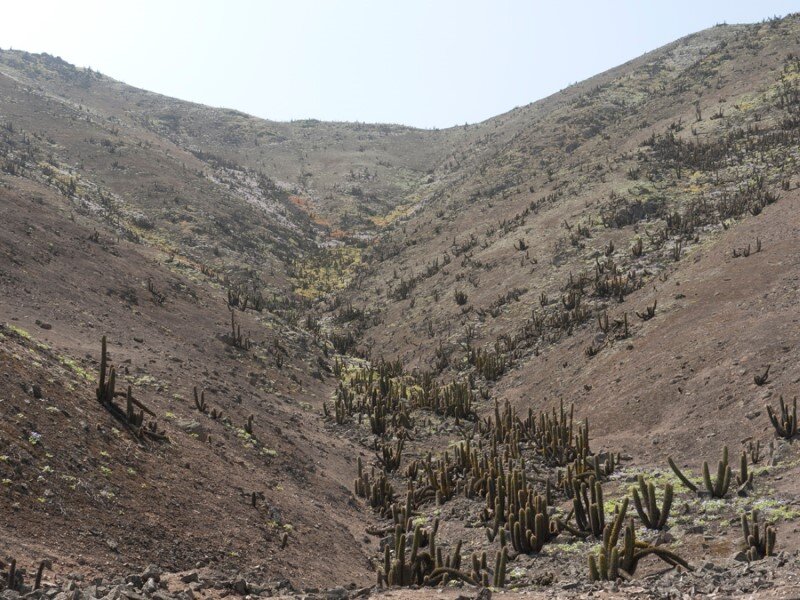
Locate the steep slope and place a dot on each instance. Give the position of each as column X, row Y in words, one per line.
column 110, row 229
column 522, row 221
column 80, row 486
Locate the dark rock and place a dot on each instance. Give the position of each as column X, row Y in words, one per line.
column 337, row 593
column 151, row 572
column 239, row 586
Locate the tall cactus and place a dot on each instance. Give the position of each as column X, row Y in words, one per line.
column 647, row 506
column 106, row 384
column 745, row 478
column 718, row 488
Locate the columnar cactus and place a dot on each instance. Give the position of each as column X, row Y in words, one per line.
column 647, row 506
column 785, row 424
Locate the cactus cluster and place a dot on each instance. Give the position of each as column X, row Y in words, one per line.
column 611, row 281
column 613, row 562
column 236, row 338
column 487, row 465
column 202, row 406
column 389, row 457
column 239, row 296
column 745, row 252
column 649, row 313
column 200, row 401
column 717, row 488
column 757, row 542
column 133, row 414
column 785, row 423
column 489, row 365
column 424, row 563
column 157, row 297
column 517, row 511
column 385, row 395
column 588, row 509
column 644, row 499
column 376, row 488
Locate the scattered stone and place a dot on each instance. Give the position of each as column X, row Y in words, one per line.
column 337, row 593
column 152, row 572
column 740, row 556
column 239, row 586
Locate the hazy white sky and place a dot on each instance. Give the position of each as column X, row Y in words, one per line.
column 429, row 63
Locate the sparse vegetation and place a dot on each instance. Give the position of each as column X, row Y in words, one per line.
column 338, row 248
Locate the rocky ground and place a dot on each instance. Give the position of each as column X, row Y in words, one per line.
column 775, row 577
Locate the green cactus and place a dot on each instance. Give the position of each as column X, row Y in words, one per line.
column 530, row 526
column 423, row 567
column 589, row 512
column 681, row 476
column 647, row 506
column 718, row 488
column 613, row 562
column 714, row 488
column 499, row 579
column 744, row 478
column 390, row 457
column 758, row 545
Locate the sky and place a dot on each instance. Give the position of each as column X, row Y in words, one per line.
column 426, row 63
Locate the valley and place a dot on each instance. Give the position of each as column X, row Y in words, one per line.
column 312, row 359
